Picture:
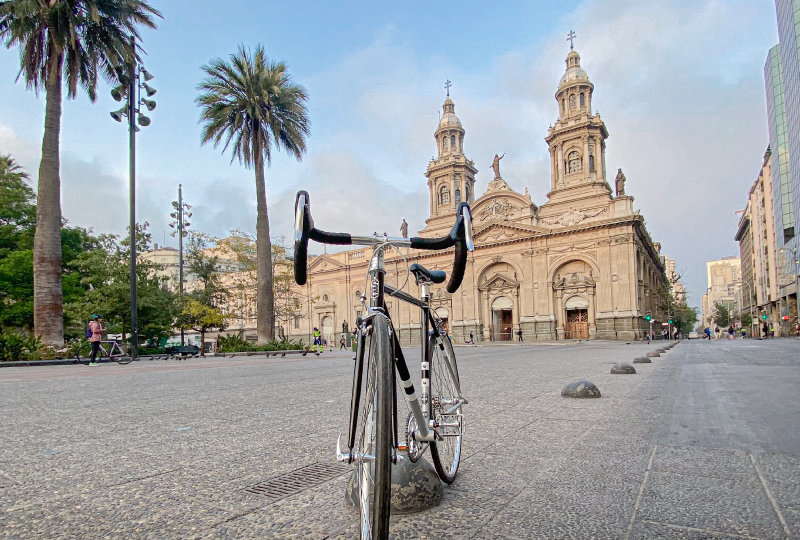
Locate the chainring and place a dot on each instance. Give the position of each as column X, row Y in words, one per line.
column 414, row 448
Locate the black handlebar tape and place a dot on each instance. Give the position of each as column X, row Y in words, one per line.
column 323, row 237
column 459, row 266
column 301, row 246
column 432, row 243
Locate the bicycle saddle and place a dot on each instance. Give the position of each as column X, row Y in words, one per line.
column 420, row 272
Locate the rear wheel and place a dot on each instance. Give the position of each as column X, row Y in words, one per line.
column 374, row 437
column 444, row 395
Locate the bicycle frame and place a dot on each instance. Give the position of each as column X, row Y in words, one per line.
column 377, row 308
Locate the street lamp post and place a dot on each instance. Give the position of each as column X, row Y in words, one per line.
column 750, row 304
column 132, row 89
column 180, row 214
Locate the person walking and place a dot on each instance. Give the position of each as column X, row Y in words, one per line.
column 772, row 331
column 716, row 332
column 519, row 335
column 730, row 333
column 96, row 328
column 342, row 343
column 765, row 330
column 317, row 340
column 707, row 333
column 471, row 339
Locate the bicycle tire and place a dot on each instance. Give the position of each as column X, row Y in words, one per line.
column 123, row 359
column 444, row 385
column 375, row 437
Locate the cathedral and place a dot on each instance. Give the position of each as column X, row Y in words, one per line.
column 580, row 266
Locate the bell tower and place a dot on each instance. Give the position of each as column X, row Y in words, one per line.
column 451, row 176
column 577, row 140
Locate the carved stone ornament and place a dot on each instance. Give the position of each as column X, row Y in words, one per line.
column 575, row 280
column 498, row 184
column 497, row 258
column 497, row 210
column 572, row 217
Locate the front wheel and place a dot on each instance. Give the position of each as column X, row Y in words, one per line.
column 374, row 437
column 444, row 396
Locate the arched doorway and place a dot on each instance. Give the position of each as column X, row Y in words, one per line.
column 443, row 314
column 577, row 318
column 327, row 329
column 502, row 319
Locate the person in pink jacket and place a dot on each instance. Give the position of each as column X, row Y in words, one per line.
column 97, row 329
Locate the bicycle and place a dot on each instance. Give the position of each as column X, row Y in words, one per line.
column 114, row 352
column 436, row 419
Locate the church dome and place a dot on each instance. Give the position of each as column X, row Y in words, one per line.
column 574, row 71
column 449, row 118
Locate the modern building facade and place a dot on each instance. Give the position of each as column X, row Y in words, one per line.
column 786, row 184
column 580, row 266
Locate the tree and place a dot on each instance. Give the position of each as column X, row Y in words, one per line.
column 17, row 207
column 200, row 318
column 106, row 276
column 721, row 315
column 72, row 40
column 251, row 103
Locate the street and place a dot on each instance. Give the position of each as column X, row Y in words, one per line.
column 704, row 442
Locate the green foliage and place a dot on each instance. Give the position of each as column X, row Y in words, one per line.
column 233, row 343
column 105, row 274
column 17, row 208
column 199, row 317
column 80, row 38
column 747, row 320
column 684, row 318
column 17, row 346
column 721, row 315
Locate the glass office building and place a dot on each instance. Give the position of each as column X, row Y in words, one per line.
column 786, row 160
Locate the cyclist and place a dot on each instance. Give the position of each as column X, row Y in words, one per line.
column 97, row 329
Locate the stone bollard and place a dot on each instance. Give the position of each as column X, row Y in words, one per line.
column 661, row 351
column 415, row 487
column 622, row 369
column 652, row 354
column 641, row 360
column 581, row 390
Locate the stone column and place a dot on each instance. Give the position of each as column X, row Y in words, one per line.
column 598, row 158
column 560, row 164
column 515, row 313
column 559, row 314
column 586, row 156
column 487, row 316
column 592, row 322
column 553, row 168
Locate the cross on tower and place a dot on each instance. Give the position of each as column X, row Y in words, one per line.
column 447, row 86
column 572, row 35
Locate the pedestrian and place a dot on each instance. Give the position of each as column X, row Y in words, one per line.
column 471, row 339
column 765, row 330
column 717, row 332
column 96, row 328
column 317, row 340
column 772, row 331
column 519, row 335
column 707, row 333
column 744, row 333
column 730, row 332
column 342, row 343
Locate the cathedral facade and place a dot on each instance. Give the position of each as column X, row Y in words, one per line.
column 580, row 266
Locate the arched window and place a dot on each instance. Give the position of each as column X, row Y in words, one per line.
column 324, row 297
column 458, row 195
column 444, row 195
column 563, row 105
column 591, row 163
column 466, row 192
column 444, row 142
column 572, row 101
column 453, row 142
column 574, row 162
column 583, row 100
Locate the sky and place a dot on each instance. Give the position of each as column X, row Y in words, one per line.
column 679, row 85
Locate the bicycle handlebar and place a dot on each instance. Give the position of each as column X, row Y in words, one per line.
column 460, row 236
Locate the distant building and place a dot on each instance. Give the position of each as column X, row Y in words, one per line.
column 724, row 277
column 168, row 258
column 676, row 288
column 757, row 249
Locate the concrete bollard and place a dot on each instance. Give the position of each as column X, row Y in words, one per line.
column 642, row 360
column 415, row 487
column 652, row 354
column 623, row 369
column 581, row 390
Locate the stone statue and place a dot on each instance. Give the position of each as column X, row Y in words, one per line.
column 496, row 165
column 344, row 327
column 404, row 229
column 620, row 183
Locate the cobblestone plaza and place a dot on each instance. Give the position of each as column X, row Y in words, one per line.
column 704, row 442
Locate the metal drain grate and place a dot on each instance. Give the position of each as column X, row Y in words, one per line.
column 291, row 483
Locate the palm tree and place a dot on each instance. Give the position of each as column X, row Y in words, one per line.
column 76, row 40
column 251, row 103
